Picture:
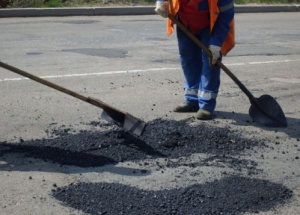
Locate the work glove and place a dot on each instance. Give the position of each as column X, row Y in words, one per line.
column 162, row 8
column 215, row 53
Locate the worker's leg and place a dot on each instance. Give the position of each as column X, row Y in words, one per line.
column 191, row 63
column 210, row 79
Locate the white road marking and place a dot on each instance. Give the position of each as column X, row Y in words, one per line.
column 287, row 80
column 140, row 70
column 91, row 74
column 236, row 64
column 274, row 61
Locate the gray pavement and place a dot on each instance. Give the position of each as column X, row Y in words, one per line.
column 137, row 10
column 130, row 63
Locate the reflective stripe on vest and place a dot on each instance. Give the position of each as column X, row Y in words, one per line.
column 214, row 11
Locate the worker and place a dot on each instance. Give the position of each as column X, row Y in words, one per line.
column 212, row 22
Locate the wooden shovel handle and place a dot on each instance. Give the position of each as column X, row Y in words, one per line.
column 90, row 100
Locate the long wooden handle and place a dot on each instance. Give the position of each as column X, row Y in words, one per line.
column 219, row 63
column 90, row 100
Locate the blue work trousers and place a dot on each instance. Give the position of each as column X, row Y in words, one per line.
column 202, row 81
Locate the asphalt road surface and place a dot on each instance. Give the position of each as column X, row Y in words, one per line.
column 130, row 63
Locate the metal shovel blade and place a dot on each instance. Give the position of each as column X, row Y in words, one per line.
column 266, row 111
column 130, row 123
column 133, row 125
column 104, row 115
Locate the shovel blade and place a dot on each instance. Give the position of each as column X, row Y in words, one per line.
column 104, row 115
column 134, row 125
column 266, row 111
column 130, row 123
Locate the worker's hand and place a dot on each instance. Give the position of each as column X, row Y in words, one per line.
column 162, row 8
column 215, row 52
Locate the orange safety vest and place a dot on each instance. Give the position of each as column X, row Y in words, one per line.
column 214, row 13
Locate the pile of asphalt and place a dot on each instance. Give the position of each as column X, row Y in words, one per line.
column 161, row 139
column 230, row 195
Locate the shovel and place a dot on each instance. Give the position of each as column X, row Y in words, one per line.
column 123, row 119
column 264, row 110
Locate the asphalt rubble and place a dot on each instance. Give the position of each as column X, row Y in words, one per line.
column 170, row 140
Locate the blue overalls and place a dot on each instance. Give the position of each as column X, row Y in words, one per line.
column 202, row 81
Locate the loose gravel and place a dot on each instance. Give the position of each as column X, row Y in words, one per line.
column 166, row 139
